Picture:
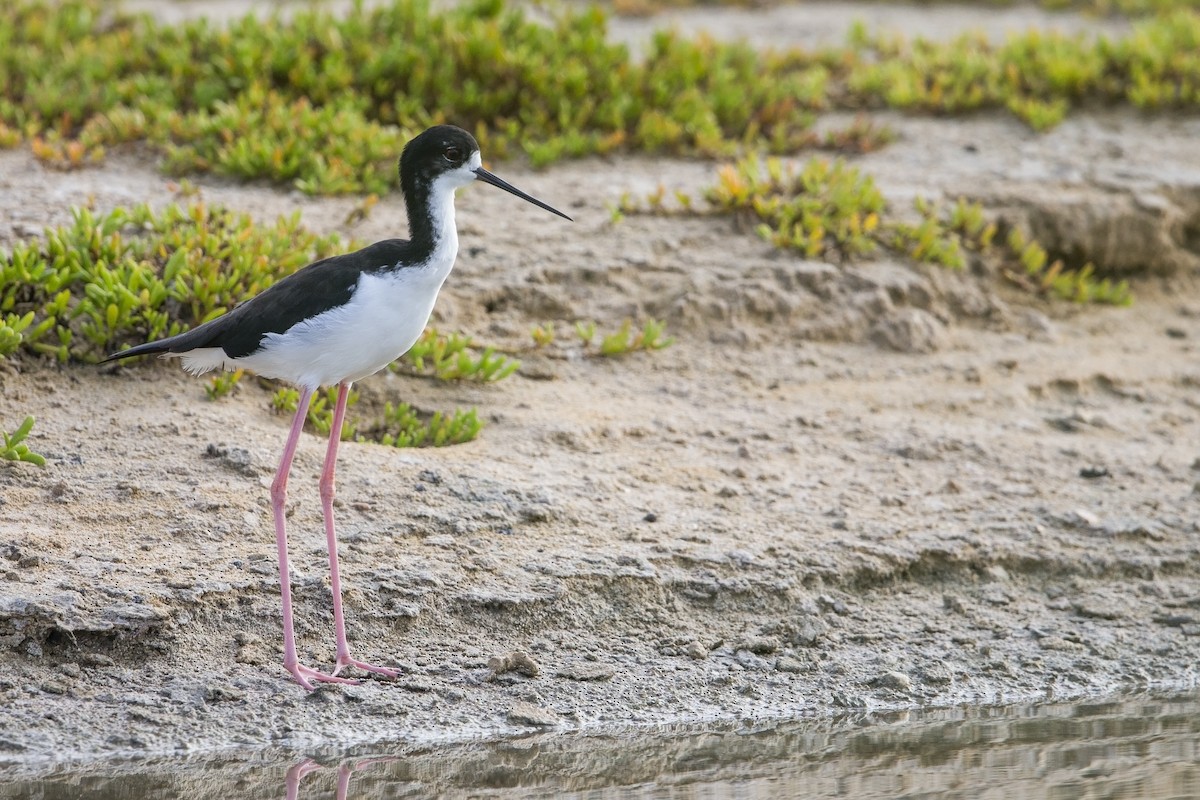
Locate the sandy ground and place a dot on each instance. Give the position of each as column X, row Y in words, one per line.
column 868, row 486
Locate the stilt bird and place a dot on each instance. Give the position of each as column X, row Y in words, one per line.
column 339, row 320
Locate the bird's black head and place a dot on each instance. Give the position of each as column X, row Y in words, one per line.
column 445, row 157
column 435, row 152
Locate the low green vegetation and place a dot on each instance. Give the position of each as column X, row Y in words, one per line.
column 1132, row 8
column 325, row 101
column 223, row 384
column 833, row 211
column 1127, row 7
column 1038, row 76
column 403, row 426
column 625, row 339
column 319, row 418
column 13, row 447
column 1028, row 265
column 455, row 357
column 825, row 209
column 542, row 335
column 399, row 426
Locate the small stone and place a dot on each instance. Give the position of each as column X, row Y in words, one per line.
column 1097, row 610
column 139, row 714
column 750, row 690
column 909, row 330
column 529, row 714
column 995, row 595
column 95, row 660
column 954, row 603
column 835, row 605
column 1137, row 528
column 535, row 513
column 220, row 692
column 696, row 651
column 1059, row 644
column 237, row 459
column 748, row 660
column 789, row 665
column 1093, row 472
column 650, row 517
column 759, row 645
column 1080, row 518
column 896, row 681
column 996, row 572
column 936, row 675
column 810, row 631
column 847, row 700
column 517, row 661
column 250, row 652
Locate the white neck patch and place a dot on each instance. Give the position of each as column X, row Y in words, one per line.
column 441, row 195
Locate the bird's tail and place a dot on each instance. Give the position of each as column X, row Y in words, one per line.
column 147, row 349
column 201, row 336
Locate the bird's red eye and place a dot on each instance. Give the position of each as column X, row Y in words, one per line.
column 453, row 154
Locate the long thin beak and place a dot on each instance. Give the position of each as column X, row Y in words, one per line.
column 487, row 177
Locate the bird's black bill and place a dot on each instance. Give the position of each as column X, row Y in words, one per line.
column 488, row 177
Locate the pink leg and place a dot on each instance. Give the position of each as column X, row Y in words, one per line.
column 344, row 658
column 278, row 500
column 295, row 774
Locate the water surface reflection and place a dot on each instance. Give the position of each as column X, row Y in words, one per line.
column 1133, row 748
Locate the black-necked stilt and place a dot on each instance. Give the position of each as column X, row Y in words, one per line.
column 339, row 320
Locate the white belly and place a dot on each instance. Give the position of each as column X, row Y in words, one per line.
column 384, row 318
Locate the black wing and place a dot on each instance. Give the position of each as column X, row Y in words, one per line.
column 310, row 291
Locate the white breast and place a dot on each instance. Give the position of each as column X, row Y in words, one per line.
column 381, row 322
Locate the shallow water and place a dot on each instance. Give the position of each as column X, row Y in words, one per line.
column 1147, row 748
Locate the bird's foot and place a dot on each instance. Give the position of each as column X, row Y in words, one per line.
column 306, row 675
column 345, row 660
